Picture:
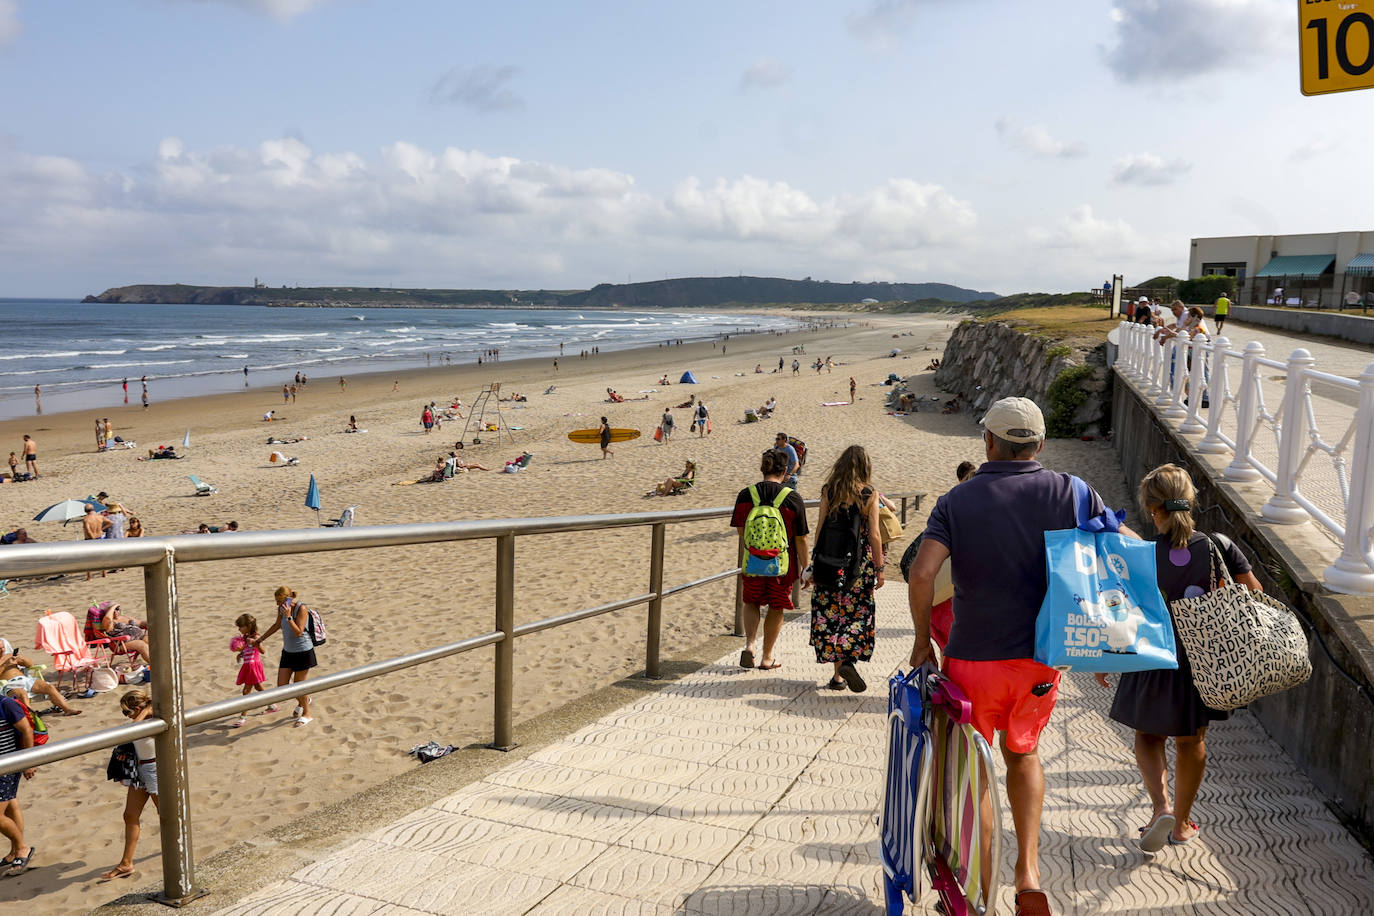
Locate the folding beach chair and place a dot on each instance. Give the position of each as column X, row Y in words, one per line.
column 938, row 766
column 5, row 588
column 345, row 519
column 202, row 488
column 60, row 636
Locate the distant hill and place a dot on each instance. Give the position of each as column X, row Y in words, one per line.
column 714, row 291
column 698, row 292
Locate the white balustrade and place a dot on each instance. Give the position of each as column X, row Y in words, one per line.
column 1178, row 369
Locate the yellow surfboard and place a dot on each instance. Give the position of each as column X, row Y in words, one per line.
column 593, row 436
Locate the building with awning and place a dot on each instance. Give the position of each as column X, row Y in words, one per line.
column 1316, row 270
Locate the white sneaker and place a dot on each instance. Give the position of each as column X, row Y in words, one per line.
column 298, row 712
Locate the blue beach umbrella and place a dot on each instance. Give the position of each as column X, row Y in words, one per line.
column 66, row 511
column 312, row 497
column 186, row 440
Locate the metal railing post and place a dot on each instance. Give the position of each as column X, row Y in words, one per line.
column 1199, row 352
column 174, row 789
column 1282, row 508
column 1352, row 573
column 503, row 736
column 739, row 586
column 1216, row 399
column 651, row 642
column 1247, row 416
column 903, row 511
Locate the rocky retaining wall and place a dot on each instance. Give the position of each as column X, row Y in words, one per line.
column 987, row 360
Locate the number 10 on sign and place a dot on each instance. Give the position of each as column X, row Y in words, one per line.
column 1336, row 40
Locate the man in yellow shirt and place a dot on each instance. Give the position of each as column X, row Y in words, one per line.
column 1223, row 309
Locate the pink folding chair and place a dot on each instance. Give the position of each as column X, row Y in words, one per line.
column 60, row 636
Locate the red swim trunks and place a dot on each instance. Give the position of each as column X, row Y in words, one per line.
column 773, row 591
column 1003, row 697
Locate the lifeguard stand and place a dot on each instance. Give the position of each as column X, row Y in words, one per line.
column 478, row 412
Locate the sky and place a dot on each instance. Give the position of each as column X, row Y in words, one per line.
column 995, row 144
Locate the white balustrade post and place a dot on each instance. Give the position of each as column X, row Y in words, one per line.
column 1130, row 350
column 1211, row 443
column 1247, row 415
column 1282, row 508
column 1178, row 375
column 1351, row 574
column 1156, row 370
column 1199, row 351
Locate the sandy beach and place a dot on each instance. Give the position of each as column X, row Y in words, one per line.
column 381, row 603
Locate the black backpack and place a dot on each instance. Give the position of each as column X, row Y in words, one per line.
column 839, row 546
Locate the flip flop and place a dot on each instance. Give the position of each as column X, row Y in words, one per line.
column 1157, row 833
column 771, row 667
column 852, row 677
column 21, row 864
column 1032, row 903
column 116, row 873
column 836, row 683
column 746, row 659
column 1177, row 842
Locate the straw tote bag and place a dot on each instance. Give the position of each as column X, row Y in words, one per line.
column 1243, row 645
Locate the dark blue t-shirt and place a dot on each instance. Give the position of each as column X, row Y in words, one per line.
column 994, row 525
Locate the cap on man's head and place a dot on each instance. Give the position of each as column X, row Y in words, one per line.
column 1015, row 420
column 102, row 495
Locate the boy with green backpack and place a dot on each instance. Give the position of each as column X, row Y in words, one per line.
column 772, row 519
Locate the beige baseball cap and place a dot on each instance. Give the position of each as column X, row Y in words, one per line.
column 1016, row 420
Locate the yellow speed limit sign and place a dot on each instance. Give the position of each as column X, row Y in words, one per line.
column 1336, row 38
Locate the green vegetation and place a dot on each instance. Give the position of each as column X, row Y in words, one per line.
column 1206, row 289
column 1054, row 353
column 1065, row 397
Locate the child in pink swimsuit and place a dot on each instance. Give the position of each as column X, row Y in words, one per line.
column 251, row 675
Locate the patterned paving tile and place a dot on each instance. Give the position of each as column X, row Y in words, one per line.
column 735, row 791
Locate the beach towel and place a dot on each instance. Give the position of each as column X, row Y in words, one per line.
column 835, row 403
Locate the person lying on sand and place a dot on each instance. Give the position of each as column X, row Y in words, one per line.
column 17, row 682
column 614, row 398
column 162, row 451
column 690, row 402
column 292, row 440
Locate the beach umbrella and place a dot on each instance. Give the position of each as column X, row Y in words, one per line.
column 94, row 501
column 186, row 439
column 312, row 497
column 65, row 511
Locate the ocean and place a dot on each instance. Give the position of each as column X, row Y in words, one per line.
column 81, row 353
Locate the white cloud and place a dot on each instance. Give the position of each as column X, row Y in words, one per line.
column 1036, row 140
column 454, row 216
column 1149, row 170
column 1311, row 149
column 1162, row 41
column 282, row 10
column 483, row 87
column 1082, row 244
column 882, row 20
column 9, row 21
column 764, row 73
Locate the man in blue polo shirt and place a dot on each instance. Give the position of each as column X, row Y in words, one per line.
column 991, row 529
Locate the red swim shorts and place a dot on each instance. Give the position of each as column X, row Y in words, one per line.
column 1003, row 697
column 773, row 591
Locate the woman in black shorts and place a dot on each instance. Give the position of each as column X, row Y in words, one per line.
column 298, row 650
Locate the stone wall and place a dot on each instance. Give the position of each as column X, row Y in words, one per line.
column 1325, row 724
column 987, row 360
column 1358, row 328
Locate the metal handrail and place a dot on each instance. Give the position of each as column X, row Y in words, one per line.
column 160, row 556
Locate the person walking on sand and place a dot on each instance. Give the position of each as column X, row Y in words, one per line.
column 343, row 383
column 852, row 388
column 126, row 391
column 796, row 365
column 605, row 432
column 703, row 418
column 145, row 398
column 31, row 456
column 999, row 584
column 667, row 424
column 16, row 734
column 140, row 775
column 109, row 431
column 775, row 592
column 99, row 435
column 297, row 649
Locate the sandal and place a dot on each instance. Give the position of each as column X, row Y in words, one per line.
column 240, row 722
column 272, row 708
column 852, row 677
column 746, row 659
column 836, row 683
column 1032, row 903
column 1173, row 841
column 1154, row 835
column 20, row 864
column 117, row 872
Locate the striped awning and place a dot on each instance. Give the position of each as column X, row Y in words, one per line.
column 1362, row 265
column 1297, row 265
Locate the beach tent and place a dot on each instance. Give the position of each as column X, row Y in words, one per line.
column 687, row 379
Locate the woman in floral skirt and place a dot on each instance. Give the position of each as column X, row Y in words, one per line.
column 842, row 607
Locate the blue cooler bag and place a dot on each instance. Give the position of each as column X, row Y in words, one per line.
column 1103, row 610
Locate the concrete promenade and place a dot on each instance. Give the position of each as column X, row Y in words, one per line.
column 739, row 792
